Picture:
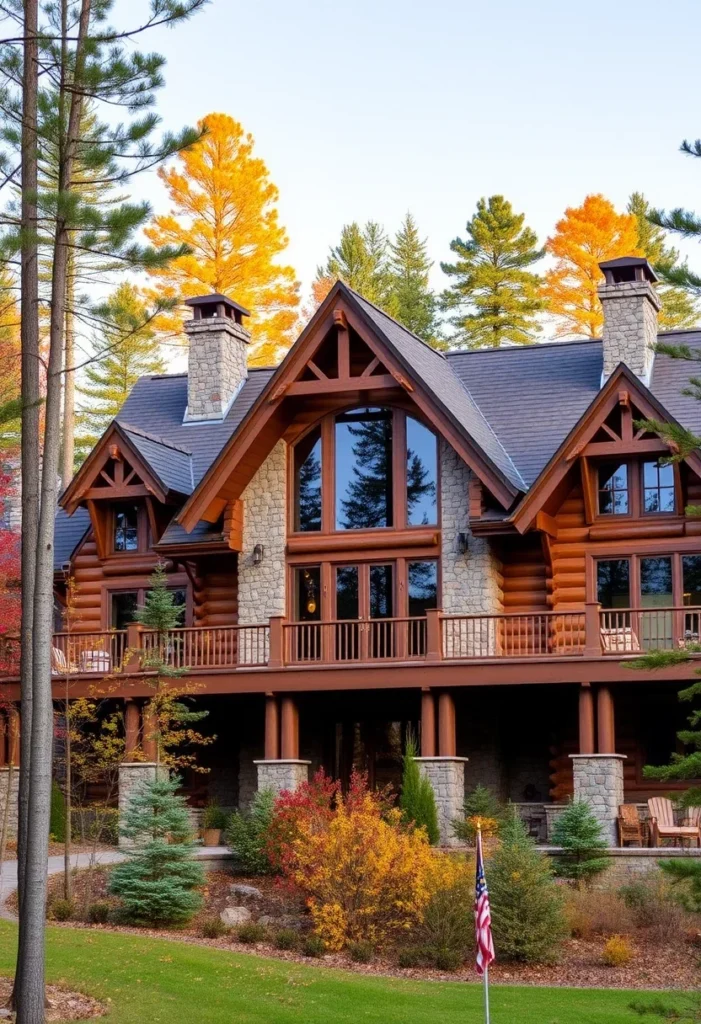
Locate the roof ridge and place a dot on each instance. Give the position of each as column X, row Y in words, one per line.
column 397, row 322
column 156, row 438
column 537, row 346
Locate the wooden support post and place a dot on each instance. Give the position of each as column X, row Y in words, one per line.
column 276, row 652
column 289, row 730
column 428, row 724
column 4, row 730
column 149, row 732
column 13, row 737
column 606, row 728
column 272, row 728
column 446, row 725
column 586, row 719
column 592, row 629
column 133, row 656
column 434, row 647
column 131, row 730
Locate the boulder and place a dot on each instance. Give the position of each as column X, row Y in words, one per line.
column 233, row 916
column 239, row 889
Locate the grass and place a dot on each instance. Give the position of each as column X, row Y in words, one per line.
column 166, row 982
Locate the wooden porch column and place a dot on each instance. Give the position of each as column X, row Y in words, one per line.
column 13, row 737
column 446, row 725
column 586, row 720
column 428, row 724
column 131, row 730
column 149, row 729
column 272, row 728
column 606, row 729
column 289, row 730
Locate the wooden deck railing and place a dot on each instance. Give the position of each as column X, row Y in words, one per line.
column 434, row 637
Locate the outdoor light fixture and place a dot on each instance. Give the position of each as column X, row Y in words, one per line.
column 462, row 543
column 258, row 553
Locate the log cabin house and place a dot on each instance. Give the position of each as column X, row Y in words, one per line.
column 376, row 536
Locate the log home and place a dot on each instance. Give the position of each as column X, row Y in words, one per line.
column 376, row 536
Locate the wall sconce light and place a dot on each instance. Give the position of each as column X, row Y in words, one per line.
column 463, row 543
column 258, row 553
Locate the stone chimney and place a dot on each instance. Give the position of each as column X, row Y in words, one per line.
column 630, row 306
column 217, row 359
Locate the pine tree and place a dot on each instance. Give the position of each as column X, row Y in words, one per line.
column 157, row 884
column 414, row 302
column 583, row 238
column 224, row 209
column 360, row 260
column 495, row 297
column 578, row 832
column 679, row 309
column 417, row 801
column 527, row 907
column 127, row 348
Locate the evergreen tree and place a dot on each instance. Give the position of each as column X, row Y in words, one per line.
column 160, row 612
column 496, row 296
column 417, row 802
column 414, row 303
column 368, row 500
column 360, row 260
column 527, row 908
column 679, row 308
column 157, row 884
column 127, row 348
column 578, row 832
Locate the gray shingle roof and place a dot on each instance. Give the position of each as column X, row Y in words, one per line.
column 669, row 376
column 70, row 530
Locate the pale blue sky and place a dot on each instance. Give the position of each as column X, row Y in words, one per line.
column 366, row 109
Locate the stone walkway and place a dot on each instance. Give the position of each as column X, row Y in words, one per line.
column 8, row 879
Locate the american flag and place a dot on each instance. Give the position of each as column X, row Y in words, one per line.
column 483, row 916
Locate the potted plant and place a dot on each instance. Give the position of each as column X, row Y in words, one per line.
column 213, row 823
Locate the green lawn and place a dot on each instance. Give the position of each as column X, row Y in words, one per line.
column 150, row 981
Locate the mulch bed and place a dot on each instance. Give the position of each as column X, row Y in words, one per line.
column 63, row 1005
column 654, row 965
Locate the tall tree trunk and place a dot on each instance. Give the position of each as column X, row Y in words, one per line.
column 68, row 456
column 30, row 994
column 29, row 338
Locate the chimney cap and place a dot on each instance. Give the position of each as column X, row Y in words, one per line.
column 215, row 304
column 628, row 268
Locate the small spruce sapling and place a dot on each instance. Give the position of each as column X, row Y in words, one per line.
column 578, row 832
column 157, row 884
column 247, row 833
column 417, row 802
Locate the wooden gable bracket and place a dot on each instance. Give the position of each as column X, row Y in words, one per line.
column 99, row 518
column 233, row 525
column 546, row 524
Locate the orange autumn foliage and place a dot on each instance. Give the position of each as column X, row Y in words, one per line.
column 224, row 208
column 583, row 238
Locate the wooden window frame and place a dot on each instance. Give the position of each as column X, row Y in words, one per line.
column 634, row 558
column 676, row 485
column 176, row 581
column 142, row 530
column 328, row 476
column 636, row 510
column 630, row 491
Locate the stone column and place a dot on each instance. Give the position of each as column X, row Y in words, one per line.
column 9, row 775
column 447, row 776
column 284, row 774
column 133, row 775
column 598, row 781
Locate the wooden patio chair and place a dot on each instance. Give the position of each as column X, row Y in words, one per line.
column 60, row 665
column 662, row 824
column 692, row 819
column 629, row 826
column 620, row 640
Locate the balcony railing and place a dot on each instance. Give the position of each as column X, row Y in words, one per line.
column 434, row 637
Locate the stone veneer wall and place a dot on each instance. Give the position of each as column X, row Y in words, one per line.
column 14, row 794
column 282, row 775
column 598, row 781
column 471, row 581
column 217, row 366
column 262, row 587
column 630, row 326
column 447, row 777
column 133, row 775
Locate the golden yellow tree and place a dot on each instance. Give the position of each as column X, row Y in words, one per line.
column 224, row 209
column 583, row 238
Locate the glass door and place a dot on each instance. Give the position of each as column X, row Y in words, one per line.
column 656, row 626
column 364, row 604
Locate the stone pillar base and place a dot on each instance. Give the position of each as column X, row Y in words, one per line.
column 283, row 774
column 447, row 776
column 598, row 781
column 14, row 797
column 133, row 775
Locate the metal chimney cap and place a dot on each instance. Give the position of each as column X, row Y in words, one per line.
column 215, row 304
column 628, row 268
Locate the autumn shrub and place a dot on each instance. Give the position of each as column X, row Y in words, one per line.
column 287, row 938
column 617, row 951
column 62, row 910
column 602, row 914
column 363, row 872
column 98, row 912
column 247, row 834
column 652, row 906
column 213, row 928
column 313, row 945
column 528, row 917
column 251, row 933
column 446, row 932
column 305, row 809
column 361, row 952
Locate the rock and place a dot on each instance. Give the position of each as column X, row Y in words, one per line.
column 283, row 921
column 232, row 916
column 246, row 890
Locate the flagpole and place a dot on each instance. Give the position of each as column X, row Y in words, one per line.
column 486, row 966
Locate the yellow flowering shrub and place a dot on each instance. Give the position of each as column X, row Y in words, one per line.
column 365, row 875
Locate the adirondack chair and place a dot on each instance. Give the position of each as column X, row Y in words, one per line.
column 620, row 640
column 629, row 826
column 662, row 824
column 693, row 817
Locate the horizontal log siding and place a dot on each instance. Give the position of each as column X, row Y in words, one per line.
column 216, row 592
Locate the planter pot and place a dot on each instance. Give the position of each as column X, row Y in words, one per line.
column 211, row 836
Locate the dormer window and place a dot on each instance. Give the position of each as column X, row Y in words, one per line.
column 613, row 489
column 658, row 487
column 126, row 528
